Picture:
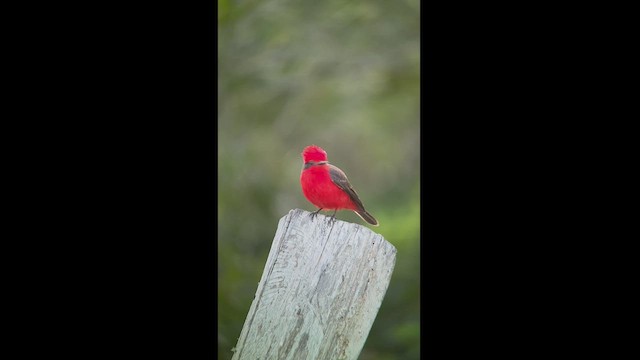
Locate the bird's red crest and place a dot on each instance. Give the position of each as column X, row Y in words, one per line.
column 314, row 153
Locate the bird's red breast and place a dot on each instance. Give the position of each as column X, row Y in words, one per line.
column 320, row 190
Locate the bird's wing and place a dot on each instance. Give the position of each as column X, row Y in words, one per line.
column 340, row 179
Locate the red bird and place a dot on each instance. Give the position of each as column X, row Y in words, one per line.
column 327, row 187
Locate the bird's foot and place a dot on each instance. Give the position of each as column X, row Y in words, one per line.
column 315, row 213
column 332, row 218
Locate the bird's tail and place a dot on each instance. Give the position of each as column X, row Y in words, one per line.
column 366, row 217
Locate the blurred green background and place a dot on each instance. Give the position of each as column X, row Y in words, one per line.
column 344, row 75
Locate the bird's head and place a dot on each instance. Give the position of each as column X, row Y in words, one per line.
column 313, row 153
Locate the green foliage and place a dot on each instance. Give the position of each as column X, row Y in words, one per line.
column 341, row 75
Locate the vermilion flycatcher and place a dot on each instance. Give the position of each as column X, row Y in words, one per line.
column 327, row 187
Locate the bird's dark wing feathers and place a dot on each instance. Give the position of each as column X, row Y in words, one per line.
column 340, row 179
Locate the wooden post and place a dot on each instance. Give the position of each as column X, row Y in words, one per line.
column 320, row 291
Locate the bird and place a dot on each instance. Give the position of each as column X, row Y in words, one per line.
column 327, row 187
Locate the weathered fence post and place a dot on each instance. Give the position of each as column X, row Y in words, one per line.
column 320, row 291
